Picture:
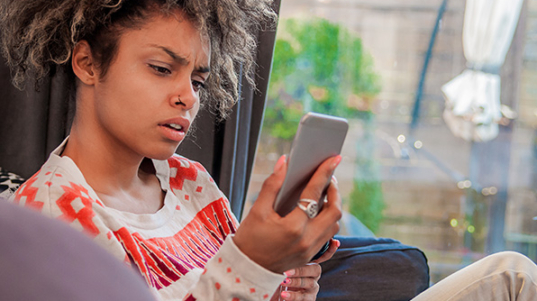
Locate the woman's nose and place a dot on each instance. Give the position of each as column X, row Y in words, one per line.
column 186, row 96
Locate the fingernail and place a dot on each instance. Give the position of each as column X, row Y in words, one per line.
column 286, row 295
column 287, row 281
column 338, row 243
column 279, row 163
column 290, row 273
column 334, row 179
column 336, row 161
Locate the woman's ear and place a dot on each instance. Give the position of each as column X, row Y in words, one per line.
column 83, row 64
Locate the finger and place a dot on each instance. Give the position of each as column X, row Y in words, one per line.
column 312, row 270
column 301, row 295
column 280, row 163
column 323, row 227
column 271, row 186
column 334, row 245
column 300, row 283
column 316, row 185
column 320, row 179
column 331, row 212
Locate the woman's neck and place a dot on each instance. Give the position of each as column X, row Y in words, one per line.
column 107, row 164
column 122, row 180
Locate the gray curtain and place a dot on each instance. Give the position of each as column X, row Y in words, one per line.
column 33, row 123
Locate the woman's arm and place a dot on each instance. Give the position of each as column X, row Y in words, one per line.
column 270, row 245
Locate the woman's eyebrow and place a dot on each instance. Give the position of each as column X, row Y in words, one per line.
column 179, row 59
column 203, row 69
column 175, row 56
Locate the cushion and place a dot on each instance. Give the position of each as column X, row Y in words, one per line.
column 9, row 183
column 369, row 268
column 45, row 259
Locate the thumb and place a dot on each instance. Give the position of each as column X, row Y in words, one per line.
column 272, row 185
column 282, row 162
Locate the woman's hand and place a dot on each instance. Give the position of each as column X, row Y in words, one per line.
column 334, row 245
column 282, row 243
column 300, row 284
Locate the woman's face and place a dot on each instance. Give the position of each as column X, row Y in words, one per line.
column 150, row 94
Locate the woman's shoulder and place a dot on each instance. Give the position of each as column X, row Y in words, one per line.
column 57, row 183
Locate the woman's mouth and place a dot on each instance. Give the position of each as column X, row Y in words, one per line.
column 173, row 131
column 174, row 126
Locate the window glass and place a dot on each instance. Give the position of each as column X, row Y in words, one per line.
column 405, row 174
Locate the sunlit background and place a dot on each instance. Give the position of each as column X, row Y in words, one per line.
column 404, row 173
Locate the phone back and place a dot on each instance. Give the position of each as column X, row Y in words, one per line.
column 318, row 138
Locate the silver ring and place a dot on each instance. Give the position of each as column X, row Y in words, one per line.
column 311, row 210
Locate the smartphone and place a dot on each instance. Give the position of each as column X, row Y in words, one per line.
column 318, row 138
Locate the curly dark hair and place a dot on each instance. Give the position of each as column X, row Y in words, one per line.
column 39, row 35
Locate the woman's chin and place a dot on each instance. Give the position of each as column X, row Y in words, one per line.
column 161, row 154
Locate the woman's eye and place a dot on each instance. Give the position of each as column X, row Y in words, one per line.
column 160, row 70
column 198, row 85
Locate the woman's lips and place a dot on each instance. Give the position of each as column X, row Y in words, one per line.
column 172, row 133
column 175, row 128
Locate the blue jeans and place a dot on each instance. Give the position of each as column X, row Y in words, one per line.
column 368, row 268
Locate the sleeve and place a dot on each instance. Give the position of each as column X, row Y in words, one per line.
column 231, row 275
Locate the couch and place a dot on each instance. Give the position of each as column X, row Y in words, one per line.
column 364, row 268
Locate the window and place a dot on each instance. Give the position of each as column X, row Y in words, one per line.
column 405, row 175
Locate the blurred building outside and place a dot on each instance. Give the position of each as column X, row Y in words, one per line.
column 424, row 183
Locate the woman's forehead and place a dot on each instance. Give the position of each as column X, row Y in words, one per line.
column 176, row 35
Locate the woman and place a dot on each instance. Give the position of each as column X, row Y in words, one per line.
column 140, row 71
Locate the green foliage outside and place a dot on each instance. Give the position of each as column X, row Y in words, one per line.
column 475, row 221
column 322, row 67
column 318, row 66
column 366, row 200
column 367, row 203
